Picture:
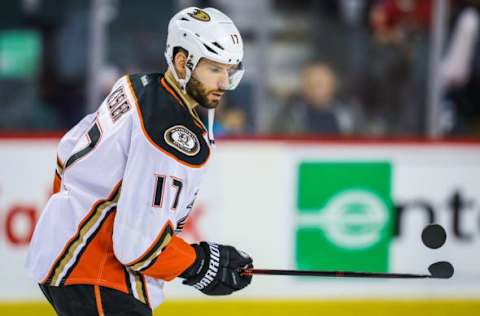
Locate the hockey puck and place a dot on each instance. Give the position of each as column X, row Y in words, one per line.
column 434, row 236
column 441, row 270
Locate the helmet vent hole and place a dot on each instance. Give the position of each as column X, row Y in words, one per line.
column 184, row 19
column 218, row 45
column 184, row 34
column 210, row 49
column 197, row 34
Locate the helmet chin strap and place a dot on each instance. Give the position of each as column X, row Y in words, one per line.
column 183, row 85
column 211, row 117
column 211, row 112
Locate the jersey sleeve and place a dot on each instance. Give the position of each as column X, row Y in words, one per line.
column 77, row 135
column 144, row 238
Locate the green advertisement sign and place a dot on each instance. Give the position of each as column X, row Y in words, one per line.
column 344, row 216
column 19, row 53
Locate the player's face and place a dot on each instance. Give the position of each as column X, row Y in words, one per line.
column 209, row 82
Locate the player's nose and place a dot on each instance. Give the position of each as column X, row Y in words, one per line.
column 224, row 82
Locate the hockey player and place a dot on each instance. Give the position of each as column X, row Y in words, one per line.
column 126, row 179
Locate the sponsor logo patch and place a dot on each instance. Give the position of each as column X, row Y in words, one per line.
column 182, row 139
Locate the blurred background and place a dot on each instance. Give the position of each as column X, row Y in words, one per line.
column 377, row 96
column 337, row 68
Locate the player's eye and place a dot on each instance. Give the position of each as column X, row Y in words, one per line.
column 215, row 69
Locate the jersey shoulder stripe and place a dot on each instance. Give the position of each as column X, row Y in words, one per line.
column 167, row 123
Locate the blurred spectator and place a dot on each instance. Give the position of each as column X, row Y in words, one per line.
column 378, row 48
column 317, row 109
column 396, row 20
column 460, row 70
column 394, row 83
column 230, row 121
column 235, row 115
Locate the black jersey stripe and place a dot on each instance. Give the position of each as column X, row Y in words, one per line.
column 144, row 289
column 147, row 260
column 58, row 174
column 110, row 212
column 94, row 135
column 127, row 281
column 57, row 265
column 89, row 221
column 59, row 162
column 141, row 288
column 60, row 167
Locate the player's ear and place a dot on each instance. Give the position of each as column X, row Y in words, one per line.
column 179, row 62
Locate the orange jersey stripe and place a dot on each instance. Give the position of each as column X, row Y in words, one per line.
column 76, row 235
column 162, row 81
column 171, row 90
column 57, row 181
column 98, row 264
column 98, row 300
column 173, row 261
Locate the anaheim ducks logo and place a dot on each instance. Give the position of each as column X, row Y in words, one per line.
column 182, row 139
column 200, row 15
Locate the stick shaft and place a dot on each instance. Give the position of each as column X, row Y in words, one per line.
column 337, row 274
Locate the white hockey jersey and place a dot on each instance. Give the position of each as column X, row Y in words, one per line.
column 126, row 180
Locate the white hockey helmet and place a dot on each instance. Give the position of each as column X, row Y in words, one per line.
column 205, row 33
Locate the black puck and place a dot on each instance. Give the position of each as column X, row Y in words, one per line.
column 434, row 236
column 441, row 270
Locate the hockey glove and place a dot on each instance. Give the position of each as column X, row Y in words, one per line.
column 216, row 270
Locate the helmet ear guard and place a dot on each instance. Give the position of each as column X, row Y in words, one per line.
column 189, row 66
column 207, row 34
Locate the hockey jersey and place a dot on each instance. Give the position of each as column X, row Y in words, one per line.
column 125, row 183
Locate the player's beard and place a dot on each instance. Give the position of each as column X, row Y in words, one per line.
column 198, row 92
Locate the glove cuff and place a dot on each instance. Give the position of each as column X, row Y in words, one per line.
column 205, row 272
column 198, row 265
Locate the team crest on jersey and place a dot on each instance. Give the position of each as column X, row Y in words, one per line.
column 182, row 139
column 200, row 15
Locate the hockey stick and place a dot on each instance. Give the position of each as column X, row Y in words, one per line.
column 438, row 270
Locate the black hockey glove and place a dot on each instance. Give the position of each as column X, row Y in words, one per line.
column 216, row 270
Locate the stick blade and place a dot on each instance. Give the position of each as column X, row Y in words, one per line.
column 441, row 270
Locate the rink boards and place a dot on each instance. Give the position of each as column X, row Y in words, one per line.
column 297, row 205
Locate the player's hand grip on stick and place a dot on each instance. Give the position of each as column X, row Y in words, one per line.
column 217, row 269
